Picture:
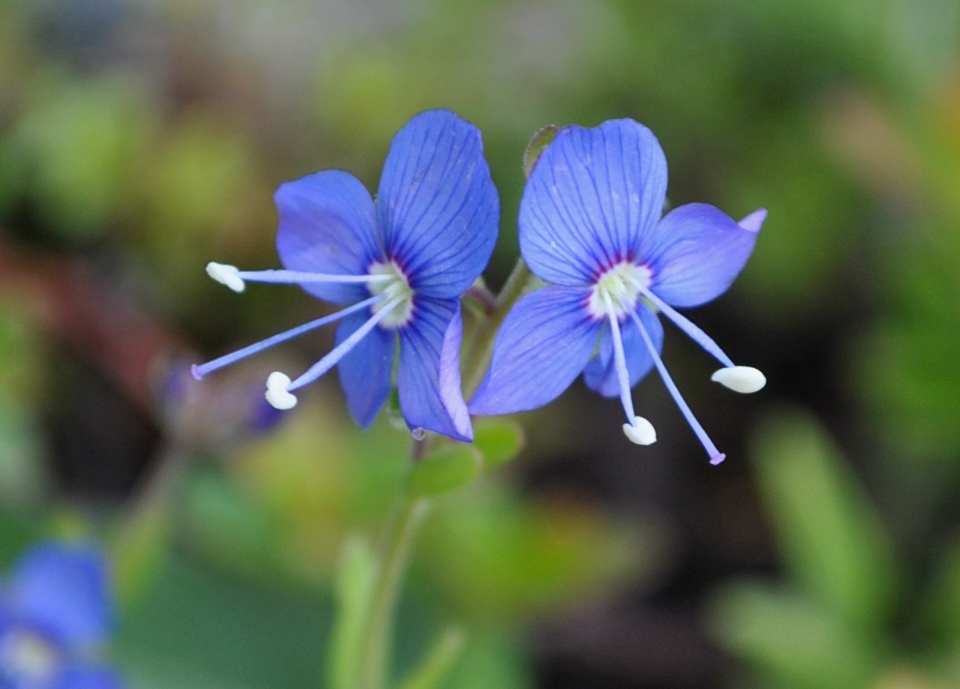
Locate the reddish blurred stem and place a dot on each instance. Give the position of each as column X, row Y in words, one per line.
column 95, row 318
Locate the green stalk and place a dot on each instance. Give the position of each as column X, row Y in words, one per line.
column 481, row 349
column 408, row 513
column 375, row 648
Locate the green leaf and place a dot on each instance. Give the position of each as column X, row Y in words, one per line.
column 795, row 641
column 830, row 536
column 444, row 471
column 354, row 584
column 139, row 550
column 436, row 665
column 538, row 143
column 498, row 440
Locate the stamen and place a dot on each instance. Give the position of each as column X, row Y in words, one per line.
column 341, row 350
column 640, row 432
column 278, row 391
column 296, row 277
column 620, row 362
column 694, row 332
column 745, row 379
column 715, row 455
column 202, row 370
column 226, row 275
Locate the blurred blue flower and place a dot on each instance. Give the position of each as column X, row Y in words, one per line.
column 402, row 263
column 590, row 223
column 55, row 611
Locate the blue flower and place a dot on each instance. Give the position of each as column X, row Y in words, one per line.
column 590, row 223
column 55, row 611
column 401, row 263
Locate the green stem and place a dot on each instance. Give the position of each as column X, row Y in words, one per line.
column 408, row 513
column 481, row 349
column 397, row 546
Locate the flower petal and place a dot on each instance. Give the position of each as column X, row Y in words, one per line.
column 601, row 374
column 428, row 377
column 695, row 253
column 437, row 204
column 64, row 589
column 592, row 197
column 542, row 347
column 328, row 225
column 86, row 677
column 365, row 371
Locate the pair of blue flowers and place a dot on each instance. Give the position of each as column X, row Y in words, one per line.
column 590, row 226
column 55, row 613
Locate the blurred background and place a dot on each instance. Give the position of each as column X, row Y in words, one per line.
column 139, row 140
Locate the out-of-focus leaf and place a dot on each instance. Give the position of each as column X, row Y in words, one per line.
column 829, row 534
column 434, row 668
column 498, row 440
column 228, row 525
column 355, row 579
column 794, row 640
column 444, row 471
column 198, row 622
column 22, row 475
column 139, row 550
column 498, row 558
column 941, row 609
column 81, row 150
column 492, row 658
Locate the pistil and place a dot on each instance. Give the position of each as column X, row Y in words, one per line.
column 637, row 429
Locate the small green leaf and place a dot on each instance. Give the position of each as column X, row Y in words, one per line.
column 444, row 471
column 498, row 440
column 830, row 535
column 437, row 663
column 795, row 641
column 537, row 145
column 355, row 578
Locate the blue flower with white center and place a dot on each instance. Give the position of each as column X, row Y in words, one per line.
column 401, row 263
column 55, row 612
column 590, row 224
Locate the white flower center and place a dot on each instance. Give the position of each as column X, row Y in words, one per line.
column 396, row 288
column 620, row 284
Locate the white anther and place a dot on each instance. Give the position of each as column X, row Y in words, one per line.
column 640, row 431
column 743, row 379
column 226, row 275
column 277, row 394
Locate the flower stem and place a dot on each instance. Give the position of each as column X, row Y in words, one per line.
column 481, row 348
column 397, row 545
column 408, row 512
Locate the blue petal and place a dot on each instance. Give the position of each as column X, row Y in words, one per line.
column 365, row 371
column 64, row 589
column 428, row 377
column 601, row 374
column 593, row 196
column 542, row 347
column 696, row 252
column 87, row 677
column 437, row 204
column 327, row 225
